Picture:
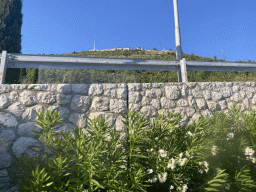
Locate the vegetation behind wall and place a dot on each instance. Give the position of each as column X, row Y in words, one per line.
column 74, row 76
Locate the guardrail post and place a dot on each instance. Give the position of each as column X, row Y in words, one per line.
column 3, row 67
column 183, row 70
column 179, row 76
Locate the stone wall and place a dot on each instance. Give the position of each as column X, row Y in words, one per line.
column 77, row 102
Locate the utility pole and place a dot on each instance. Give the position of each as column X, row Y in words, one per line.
column 177, row 37
column 95, row 43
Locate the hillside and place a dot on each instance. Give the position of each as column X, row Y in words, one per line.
column 75, row 76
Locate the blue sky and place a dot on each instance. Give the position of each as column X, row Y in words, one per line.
column 225, row 28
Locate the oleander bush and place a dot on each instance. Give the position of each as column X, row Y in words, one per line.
column 214, row 154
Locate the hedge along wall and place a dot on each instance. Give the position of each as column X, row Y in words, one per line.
column 77, row 102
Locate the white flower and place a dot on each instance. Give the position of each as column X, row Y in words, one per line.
column 150, row 171
column 151, row 149
column 163, row 153
column 181, row 154
column 171, row 187
column 150, row 180
column 214, row 150
column 162, row 177
column 185, row 187
column 206, row 164
column 249, row 151
column 189, row 133
column 171, row 164
column 200, row 171
column 173, row 161
column 154, row 180
column 156, row 138
column 183, row 162
column 230, row 136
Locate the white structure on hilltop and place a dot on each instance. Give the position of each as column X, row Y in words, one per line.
column 122, row 49
column 139, row 48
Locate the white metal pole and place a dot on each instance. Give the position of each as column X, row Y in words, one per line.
column 3, row 66
column 177, row 37
column 183, row 69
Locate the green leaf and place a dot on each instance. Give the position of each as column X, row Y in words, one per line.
column 96, row 183
column 217, row 182
column 211, row 189
column 141, row 156
column 216, row 185
column 244, row 180
column 48, row 184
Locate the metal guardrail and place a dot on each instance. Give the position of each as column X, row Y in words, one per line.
column 15, row 60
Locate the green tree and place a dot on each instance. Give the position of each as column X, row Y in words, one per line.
column 10, row 35
column 32, row 75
